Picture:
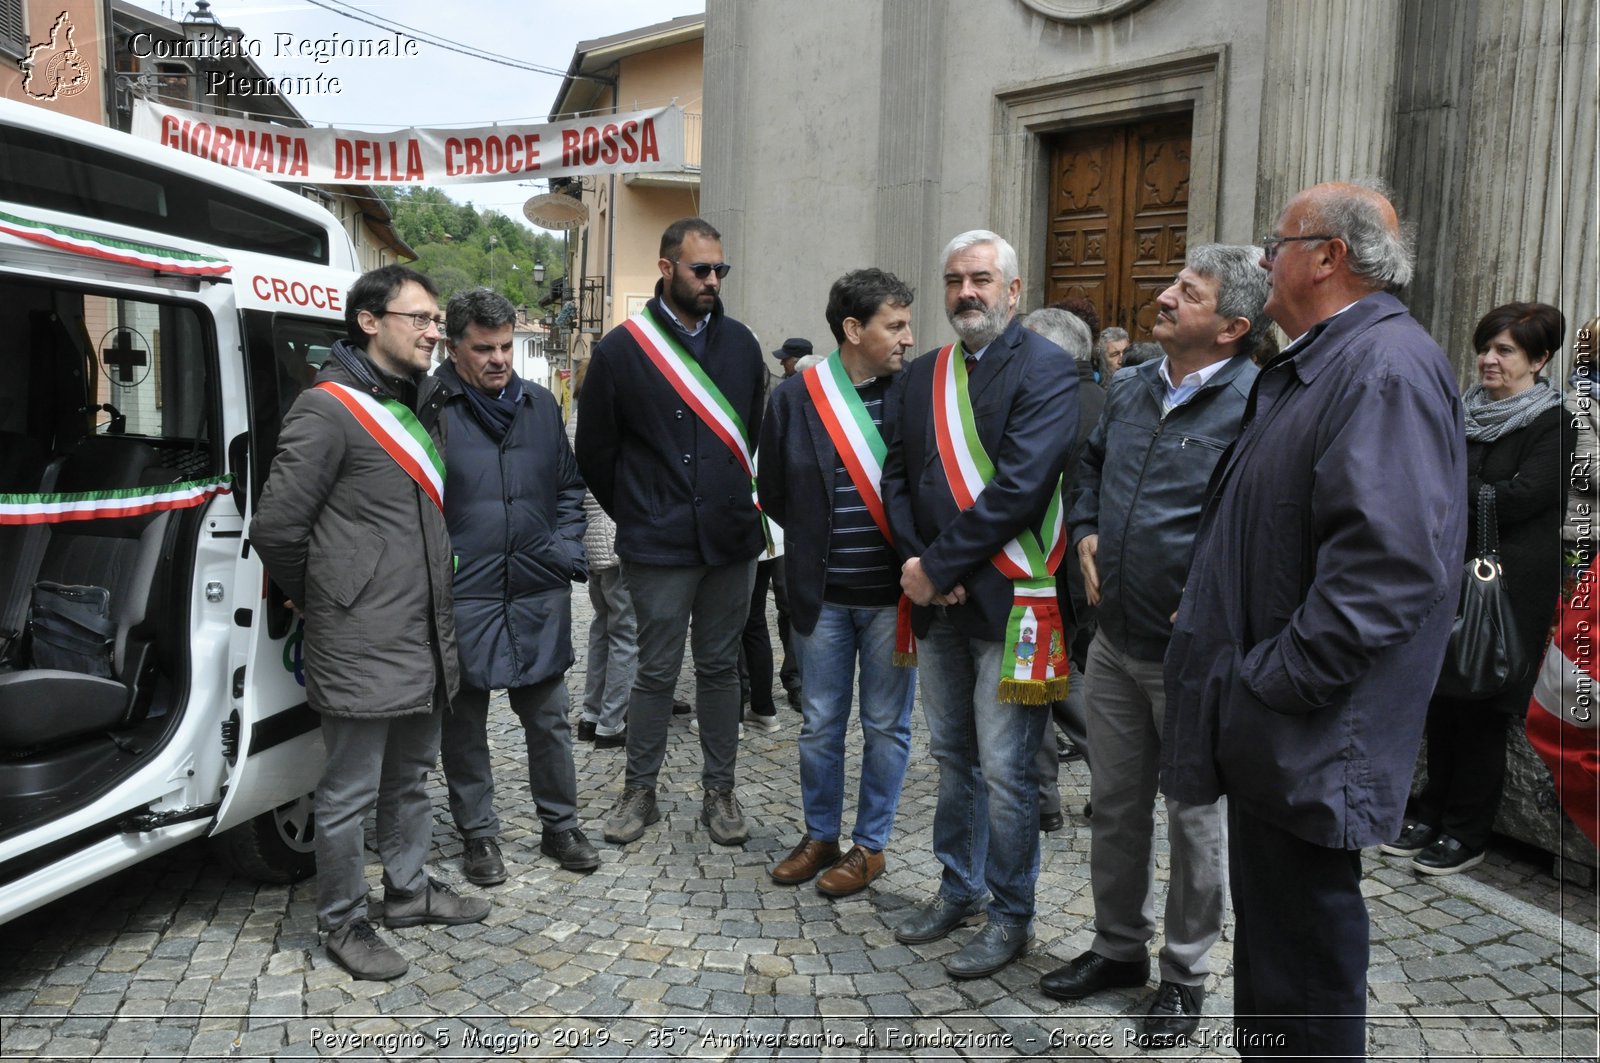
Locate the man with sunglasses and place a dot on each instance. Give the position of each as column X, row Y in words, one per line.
column 1314, row 618
column 351, row 527
column 670, row 412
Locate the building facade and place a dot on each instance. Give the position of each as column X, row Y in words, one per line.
column 612, row 258
column 1102, row 137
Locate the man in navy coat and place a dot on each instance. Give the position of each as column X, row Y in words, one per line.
column 1314, row 619
column 1015, row 409
column 671, row 410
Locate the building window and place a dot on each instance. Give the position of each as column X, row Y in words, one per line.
column 13, row 29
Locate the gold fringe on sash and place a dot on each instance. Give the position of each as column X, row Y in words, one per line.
column 1033, row 691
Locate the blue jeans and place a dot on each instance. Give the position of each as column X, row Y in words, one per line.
column 986, row 825
column 828, row 655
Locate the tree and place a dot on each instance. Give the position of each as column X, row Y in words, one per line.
column 459, row 246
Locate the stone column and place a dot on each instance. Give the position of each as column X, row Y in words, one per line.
column 1327, row 110
column 722, row 162
column 910, row 114
column 1527, row 223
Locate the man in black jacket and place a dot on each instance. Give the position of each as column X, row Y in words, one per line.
column 1141, row 484
column 972, row 486
column 515, row 508
column 670, row 411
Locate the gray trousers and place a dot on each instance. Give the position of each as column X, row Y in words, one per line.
column 1127, row 702
column 613, row 651
column 542, row 708
column 382, row 763
column 665, row 598
column 1069, row 714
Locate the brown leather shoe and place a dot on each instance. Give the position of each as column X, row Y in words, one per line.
column 851, row 875
column 801, row 865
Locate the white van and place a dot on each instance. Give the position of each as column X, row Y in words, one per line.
column 158, row 316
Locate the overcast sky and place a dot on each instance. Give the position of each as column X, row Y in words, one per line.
column 439, row 87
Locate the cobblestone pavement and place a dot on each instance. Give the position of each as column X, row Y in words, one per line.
column 677, row 948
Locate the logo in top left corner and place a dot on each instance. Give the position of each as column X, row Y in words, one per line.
column 55, row 69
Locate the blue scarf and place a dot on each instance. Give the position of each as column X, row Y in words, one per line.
column 494, row 412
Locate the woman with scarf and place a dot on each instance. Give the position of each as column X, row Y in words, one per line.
column 1516, row 445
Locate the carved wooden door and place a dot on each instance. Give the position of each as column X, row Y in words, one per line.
column 1118, row 216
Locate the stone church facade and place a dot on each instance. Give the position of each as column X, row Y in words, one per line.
column 1102, row 137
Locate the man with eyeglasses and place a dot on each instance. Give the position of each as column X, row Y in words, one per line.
column 1315, row 614
column 670, row 412
column 351, row 526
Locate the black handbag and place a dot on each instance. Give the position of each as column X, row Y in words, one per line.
column 1485, row 656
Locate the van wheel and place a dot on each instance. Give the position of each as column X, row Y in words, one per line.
column 276, row 846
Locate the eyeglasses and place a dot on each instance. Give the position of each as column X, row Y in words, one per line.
column 1270, row 245
column 419, row 320
column 702, row 270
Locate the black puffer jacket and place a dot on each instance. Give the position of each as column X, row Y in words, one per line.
column 515, row 510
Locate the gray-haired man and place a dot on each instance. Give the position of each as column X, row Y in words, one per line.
column 1140, row 489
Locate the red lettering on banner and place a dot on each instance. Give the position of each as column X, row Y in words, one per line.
column 474, row 156
column 608, row 144
column 452, row 148
column 169, row 131
column 301, row 166
column 344, row 159
column 531, row 144
column 648, row 149
column 494, row 155
column 591, row 145
column 570, row 139
column 630, row 146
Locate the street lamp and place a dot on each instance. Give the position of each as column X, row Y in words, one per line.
column 538, row 273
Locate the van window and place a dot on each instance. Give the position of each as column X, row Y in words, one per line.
column 82, row 363
column 41, row 171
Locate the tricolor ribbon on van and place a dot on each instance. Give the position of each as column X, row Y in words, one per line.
column 61, row 507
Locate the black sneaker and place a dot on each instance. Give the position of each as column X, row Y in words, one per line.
column 586, row 730
column 1415, row 836
column 1446, row 856
column 681, row 708
column 570, row 849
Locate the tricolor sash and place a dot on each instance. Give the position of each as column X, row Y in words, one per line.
column 696, row 388
column 397, row 430
column 59, row 508
column 862, row 449
column 1036, row 672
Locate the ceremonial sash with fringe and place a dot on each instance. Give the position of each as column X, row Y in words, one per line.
column 397, row 430
column 1034, row 668
column 862, row 449
column 696, row 388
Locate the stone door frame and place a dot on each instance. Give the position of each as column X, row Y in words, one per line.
column 1026, row 114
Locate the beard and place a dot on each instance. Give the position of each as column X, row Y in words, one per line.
column 979, row 334
column 690, row 296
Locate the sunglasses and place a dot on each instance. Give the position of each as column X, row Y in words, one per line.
column 702, row 270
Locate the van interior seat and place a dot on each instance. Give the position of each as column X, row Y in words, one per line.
column 41, row 707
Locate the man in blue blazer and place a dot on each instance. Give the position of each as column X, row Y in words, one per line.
column 972, row 486
column 823, row 443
